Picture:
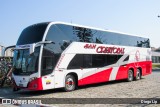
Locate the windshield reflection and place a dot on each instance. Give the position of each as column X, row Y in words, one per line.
column 25, row 63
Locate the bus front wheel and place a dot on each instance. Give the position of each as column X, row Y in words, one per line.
column 70, row 83
column 130, row 75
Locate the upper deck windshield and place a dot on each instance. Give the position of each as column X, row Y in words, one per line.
column 32, row 34
column 24, row 63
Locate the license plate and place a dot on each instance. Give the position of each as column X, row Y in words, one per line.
column 21, row 85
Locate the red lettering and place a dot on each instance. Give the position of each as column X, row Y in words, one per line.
column 86, row 46
column 94, row 46
column 89, row 46
column 111, row 50
column 115, row 50
column 123, row 50
column 99, row 49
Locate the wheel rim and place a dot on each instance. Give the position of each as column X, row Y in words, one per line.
column 130, row 75
column 70, row 84
column 138, row 74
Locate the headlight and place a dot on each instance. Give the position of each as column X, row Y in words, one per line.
column 33, row 78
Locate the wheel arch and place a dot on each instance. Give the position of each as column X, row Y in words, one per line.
column 131, row 68
column 75, row 75
column 140, row 68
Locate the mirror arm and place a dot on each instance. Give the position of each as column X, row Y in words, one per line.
column 5, row 49
column 38, row 43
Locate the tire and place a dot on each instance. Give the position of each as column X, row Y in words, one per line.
column 70, row 83
column 130, row 75
column 138, row 75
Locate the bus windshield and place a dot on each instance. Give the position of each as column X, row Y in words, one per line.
column 24, row 63
column 32, row 34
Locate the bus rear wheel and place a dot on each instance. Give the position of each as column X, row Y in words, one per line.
column 130, row 75
column 70, row 83
column 138, row 75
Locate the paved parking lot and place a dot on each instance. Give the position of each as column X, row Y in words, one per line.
column 147, row 87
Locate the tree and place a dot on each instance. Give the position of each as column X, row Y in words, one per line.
column 83, row 34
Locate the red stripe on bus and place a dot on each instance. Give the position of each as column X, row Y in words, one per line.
column 101, row 76
column 122, row 73
column 123, row 70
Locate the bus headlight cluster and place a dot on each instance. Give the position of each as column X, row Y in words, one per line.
column 33, row 78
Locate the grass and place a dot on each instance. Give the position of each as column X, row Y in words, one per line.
column 156, row 66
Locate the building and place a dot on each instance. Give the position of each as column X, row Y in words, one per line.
column 8, row 53
column 155, row 55
column 1, row 50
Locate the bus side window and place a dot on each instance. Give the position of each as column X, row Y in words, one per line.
column 87, row 61
column 47, row 62
column 76, row 62
column 98, row 60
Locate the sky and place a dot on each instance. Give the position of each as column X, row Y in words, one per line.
column 137, row 17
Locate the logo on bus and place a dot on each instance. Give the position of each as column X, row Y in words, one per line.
column 89, row 46
column 103, row 49
column 137, row 55
column 111, row 50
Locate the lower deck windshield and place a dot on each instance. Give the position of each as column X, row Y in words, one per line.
column 25, row 63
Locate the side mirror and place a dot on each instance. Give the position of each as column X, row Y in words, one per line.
column 32, row 47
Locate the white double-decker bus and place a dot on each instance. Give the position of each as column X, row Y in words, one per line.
column 61, row 55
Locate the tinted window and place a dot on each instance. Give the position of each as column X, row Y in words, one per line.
column 80, row 34
column 105, row 37
column 32, row 34
column 104, row 60
column 76, row 62
column 49, row 60
column 25, row 63
column 59, row 38
column 92, row 61
column 87, row 61
column 99, row 60
column 75, row 33
column 127, row 58
column 111, row 59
